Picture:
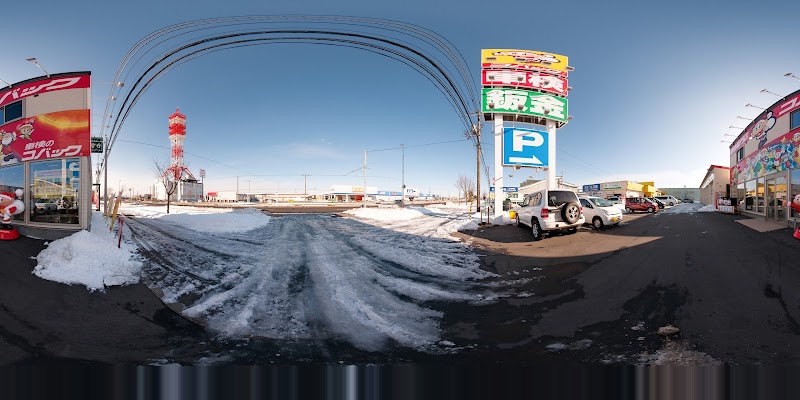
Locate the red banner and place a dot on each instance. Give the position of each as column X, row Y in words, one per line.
column 45, row 85
column 525, row 79
column 52, row 135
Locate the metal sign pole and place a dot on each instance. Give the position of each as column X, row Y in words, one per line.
column 499, row 195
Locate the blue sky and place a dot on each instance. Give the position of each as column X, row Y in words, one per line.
column 655, row 88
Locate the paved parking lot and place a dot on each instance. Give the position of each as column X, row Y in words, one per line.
column 728, row 288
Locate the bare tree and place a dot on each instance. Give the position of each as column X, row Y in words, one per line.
column 166, row 178
column 466, row 185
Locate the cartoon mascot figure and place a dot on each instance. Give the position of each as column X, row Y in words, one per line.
column 11, row 205
column 796, row 203
column 8, row 155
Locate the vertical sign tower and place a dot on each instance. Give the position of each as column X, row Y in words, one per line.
column 530, row 87
column 177, row 171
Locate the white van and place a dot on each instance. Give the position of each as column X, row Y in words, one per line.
column 668, row 200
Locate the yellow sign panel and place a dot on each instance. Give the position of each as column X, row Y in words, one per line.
column 525, row 59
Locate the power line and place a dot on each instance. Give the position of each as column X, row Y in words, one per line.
column 196, row 155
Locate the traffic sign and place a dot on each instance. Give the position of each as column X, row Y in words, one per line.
column 97, row 144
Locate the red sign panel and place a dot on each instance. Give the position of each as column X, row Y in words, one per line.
column 52, row 135
column 44, row 86
column 526, row 79
column 526, row 67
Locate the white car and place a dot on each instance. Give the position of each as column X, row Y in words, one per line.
column 600, row 212
column 669, row 200
column 550, row 210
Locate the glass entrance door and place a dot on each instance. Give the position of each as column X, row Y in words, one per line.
column 776, row 198
column 780, row 198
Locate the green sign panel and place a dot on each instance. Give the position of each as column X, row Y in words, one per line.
column 525, row 102
column 97, row 144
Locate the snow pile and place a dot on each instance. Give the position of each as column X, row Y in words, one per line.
column 708, row 208
column 89, row 258
column 439, row 222
column 386, row 214
column 206, row 219
column 683, row 208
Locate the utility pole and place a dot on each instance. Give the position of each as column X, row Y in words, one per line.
column 403, row 179
column 365, row 180
column 476, row 129
column 236, row 196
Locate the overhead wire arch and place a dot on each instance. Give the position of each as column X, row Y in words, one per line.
column 425, row 51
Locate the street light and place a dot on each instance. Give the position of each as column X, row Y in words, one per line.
column 774, row 94
column 7, row 84
column 35, row 62
column 746, row 119
column 791, row 75
column 750, row 105
column 735, row 127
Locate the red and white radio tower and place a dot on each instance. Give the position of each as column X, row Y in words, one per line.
column 177, row 171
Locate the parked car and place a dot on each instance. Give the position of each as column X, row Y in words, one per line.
column 63, row 204
column 599, row 212
column 640, row 204
column 658, row 202
column 668, row 200
column 549, row 211
column 45, row 206
column 688, row 200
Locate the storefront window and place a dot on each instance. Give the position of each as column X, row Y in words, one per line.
column 55, row 185
column 750, row 195
column 794, row 194
column 740, row 194
column 10, row 180
column 760, row 191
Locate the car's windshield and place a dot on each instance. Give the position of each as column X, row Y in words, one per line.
column 601, row 202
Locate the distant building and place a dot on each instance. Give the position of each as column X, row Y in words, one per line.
column 715, row 185
column 692, row 194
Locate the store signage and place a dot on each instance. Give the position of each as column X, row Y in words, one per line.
column 524, row 147
column 97, row 144
column 52, row 135
column 612, row 185
column 506, row 189
column 591, row 188
column 524, row 102
column 43, row 86
column 550, row 63
column 779, row 155
column 525, row 79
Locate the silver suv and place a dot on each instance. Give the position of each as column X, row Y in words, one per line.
column 552, row 210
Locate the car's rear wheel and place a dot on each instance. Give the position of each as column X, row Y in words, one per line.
column 628, row 210
column 597, row 222
column 536, row 230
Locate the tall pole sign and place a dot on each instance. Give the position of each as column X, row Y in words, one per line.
column 526, row 87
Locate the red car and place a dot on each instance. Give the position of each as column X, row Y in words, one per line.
column 640, row 204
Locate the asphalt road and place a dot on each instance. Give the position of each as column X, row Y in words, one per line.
column 604, row 294
column 594, row 297
column 46, row 323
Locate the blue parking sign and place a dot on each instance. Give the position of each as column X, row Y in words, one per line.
column 526, row 147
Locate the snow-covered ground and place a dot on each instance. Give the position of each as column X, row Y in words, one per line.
column 370, row 279
column 686, row 208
